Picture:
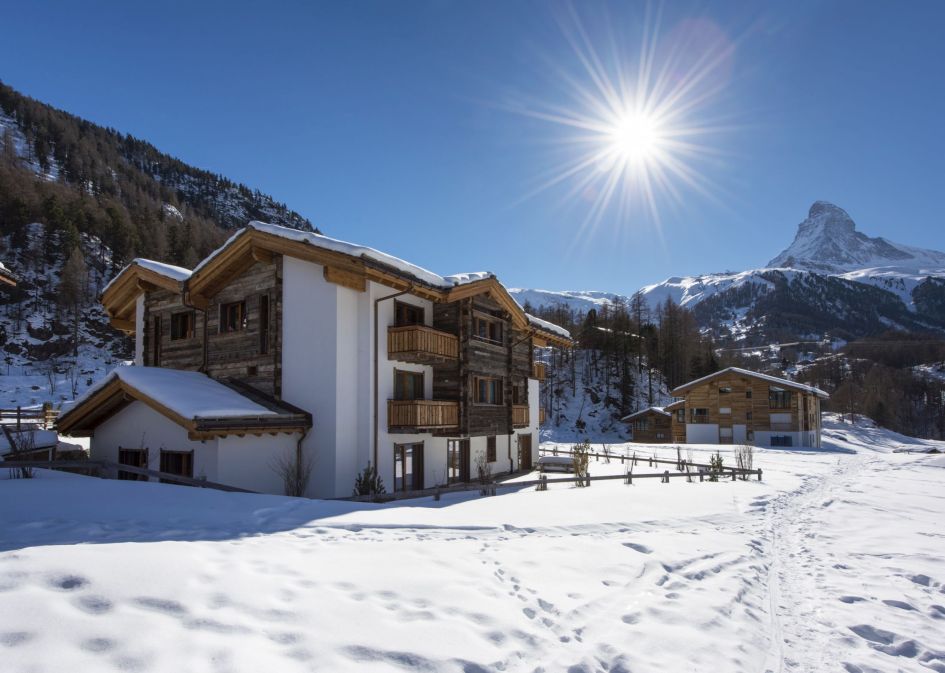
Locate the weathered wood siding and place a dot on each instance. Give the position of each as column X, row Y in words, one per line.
column 658, row 429
column 237, row 354
column 233, row 355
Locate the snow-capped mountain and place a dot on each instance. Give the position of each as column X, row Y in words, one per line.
column 581, row 300
column 832, row 278
column 828, row 242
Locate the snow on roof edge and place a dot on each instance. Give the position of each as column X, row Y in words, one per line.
column 758, row 375
column 548, row 326
column 658, row 410
column 175, row 273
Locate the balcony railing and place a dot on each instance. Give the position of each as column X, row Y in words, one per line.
column 783, row 427
column 519, row 415
column 420, row 344
column 538, row 371
column 541, row 415
column 422, row 414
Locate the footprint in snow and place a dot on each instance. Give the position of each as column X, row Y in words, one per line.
column 67, row 582
column 643, row 549
column 902, row 605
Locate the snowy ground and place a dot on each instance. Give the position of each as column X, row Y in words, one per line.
column 836, row 561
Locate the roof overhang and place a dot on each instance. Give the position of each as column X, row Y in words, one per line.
column 82, row 419
column 646, row 412
column 7, row 278
column 121, row 294
column 757, row 376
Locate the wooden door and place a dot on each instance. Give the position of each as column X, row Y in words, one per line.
column 525, row 452
column 457, row 460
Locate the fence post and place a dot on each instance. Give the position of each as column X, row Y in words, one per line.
column 587, row 479
column 759, row 474
column 18, row 418
column 734, row 474
column 665, row 479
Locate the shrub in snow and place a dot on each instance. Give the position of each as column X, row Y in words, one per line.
column 579, row 460
column 484, row 471
column 295, row 469
column 21, row 445
column 715, row 464
column 744, row 458
column 369, row 482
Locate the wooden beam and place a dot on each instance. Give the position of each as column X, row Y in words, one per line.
column 348, row 279
column 262, row 255
column 127, row 326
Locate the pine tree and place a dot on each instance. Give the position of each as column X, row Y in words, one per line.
column 73, row 291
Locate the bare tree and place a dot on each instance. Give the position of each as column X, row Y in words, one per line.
column 295, row 470
column 22, row 444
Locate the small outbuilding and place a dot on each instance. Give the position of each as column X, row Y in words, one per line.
column 652, row 425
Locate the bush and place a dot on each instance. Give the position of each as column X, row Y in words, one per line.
column 369, row 482
column 715, row 465
column 745, row 458
column 579, row 459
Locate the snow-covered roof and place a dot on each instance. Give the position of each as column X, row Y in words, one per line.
column 548, row 326
column 175, row 273
column 352, row 249
column 764, row 377
column 466, row 278
column 191, row 395
column 643, row 412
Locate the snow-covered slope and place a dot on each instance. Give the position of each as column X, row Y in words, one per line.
column 579, row 300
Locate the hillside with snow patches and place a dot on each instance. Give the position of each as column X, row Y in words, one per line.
column 833, row 562
column 831, row 276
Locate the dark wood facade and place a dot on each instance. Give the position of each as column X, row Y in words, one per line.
column 251, row 352
column 650, row 426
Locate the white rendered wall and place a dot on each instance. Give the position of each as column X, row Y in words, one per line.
column 138, row 426
column 139, row 330
column 250, row 461
column 702, row 433
column 798, row 439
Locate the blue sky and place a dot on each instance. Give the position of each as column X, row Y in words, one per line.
column 400, row 125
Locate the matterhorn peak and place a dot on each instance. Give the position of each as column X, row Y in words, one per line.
column 828, row 242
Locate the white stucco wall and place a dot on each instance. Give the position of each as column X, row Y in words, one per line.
column 250, row 462
column 798, row 439
column 139, row 426
column 702, row 433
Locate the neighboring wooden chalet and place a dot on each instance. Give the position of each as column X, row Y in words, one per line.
column 737, row 406
column 652, row 425
column 678, row 421
column 419, row 374
column 6, row 276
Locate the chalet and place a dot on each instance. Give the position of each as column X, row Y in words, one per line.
column 652, row 425
column 6, row 276
column 737, row 406
column 302, row 347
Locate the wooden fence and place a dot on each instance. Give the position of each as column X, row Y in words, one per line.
column 110, row 470
column 653, row 461
column 45, row 417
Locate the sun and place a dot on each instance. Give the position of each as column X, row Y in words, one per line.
column 634, row 138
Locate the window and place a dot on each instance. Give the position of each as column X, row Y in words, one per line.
column 748, row 394
column 725, row 410
column 519, row 395
column 641, row 424
column 232, row 316
column 487, row 329
column 408, row 467
column 488, row 390
column 408, row 385
column 407, row 314
column 779, row 399
column 781, row 440
column 747, row 415
column 680, row 415
column 182, row 326
column 263, row 324
column 135, row 458
column 699, row 416
column 490, row 449
column 725, row 390
column 660, row 435
column 180, row 463
column 156, row 343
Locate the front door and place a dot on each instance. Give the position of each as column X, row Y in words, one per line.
column 525, row 452
column 457, row 460
column 408, row 467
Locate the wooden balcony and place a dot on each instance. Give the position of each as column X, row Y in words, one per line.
column 421, row 345
column 538, row 371
column 519, row 415
column 541, row 416
column 418, row 415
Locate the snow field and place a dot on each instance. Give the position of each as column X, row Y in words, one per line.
column 833, row 562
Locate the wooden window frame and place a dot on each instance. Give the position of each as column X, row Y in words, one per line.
column 265, row 323
column 191, row 321
column 680, row 415
column 495, row 329
column 400, row 373
column 490, row 449
column 402, row 311
column 142, row 461
column 697, row 418
column 188, row 462
column 498, row 398
column 748, row 394
column 241, row 321
column 725, row 390
column 457, row 461
column 779, row 399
